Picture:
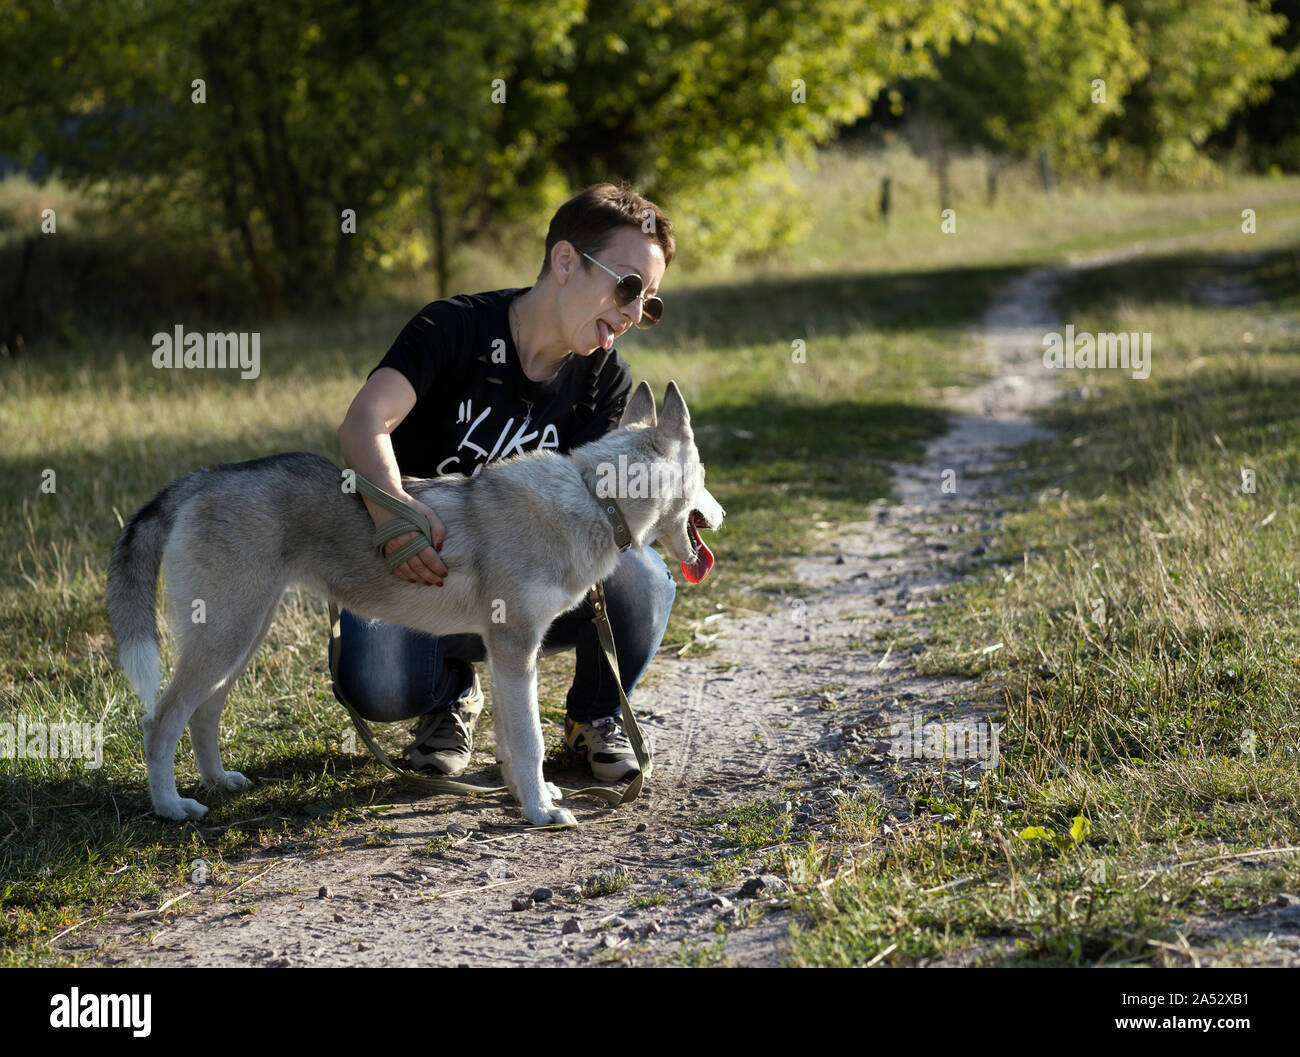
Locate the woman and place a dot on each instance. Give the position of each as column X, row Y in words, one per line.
column 480, row 377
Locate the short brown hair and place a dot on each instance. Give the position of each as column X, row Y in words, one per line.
column 589, row 219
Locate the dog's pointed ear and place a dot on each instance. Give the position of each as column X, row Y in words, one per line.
column 677, row 419
column 640, row 410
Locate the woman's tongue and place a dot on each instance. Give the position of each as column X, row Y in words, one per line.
column 604, row 333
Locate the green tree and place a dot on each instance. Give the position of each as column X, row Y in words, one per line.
column 703, row 104
column 450, row 120
column 271, row 120
column 1038, row 75
column 1204, row 62
column 1267, row 135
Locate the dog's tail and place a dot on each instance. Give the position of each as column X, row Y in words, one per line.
column 132, row 589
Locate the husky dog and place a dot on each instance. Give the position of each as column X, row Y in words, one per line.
column 526, row 538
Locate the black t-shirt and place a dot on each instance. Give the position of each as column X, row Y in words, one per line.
column 474, row 404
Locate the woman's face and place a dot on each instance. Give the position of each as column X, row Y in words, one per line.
column 591, row 316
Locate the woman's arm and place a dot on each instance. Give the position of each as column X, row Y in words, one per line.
column 367, row 446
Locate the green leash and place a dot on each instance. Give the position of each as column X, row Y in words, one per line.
column 409, row 519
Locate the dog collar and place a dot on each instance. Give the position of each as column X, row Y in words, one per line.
column 622, row 536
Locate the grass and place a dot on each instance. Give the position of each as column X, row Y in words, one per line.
column 694, row 954
column 1147, row 604
column 1020, row 227
column 748, row 829
column 605, row 884
column 798, row 447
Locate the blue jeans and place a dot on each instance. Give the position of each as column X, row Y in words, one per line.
column 388, row 672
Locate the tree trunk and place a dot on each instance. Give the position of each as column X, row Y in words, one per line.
column 343, row 253
column 438, row 211
column 886, row 197
column 945, row 190
column 1045, row 171
column 11, row 342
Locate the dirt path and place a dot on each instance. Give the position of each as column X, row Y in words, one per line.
column 773, row 712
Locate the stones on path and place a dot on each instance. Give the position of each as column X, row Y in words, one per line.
column 764, row 884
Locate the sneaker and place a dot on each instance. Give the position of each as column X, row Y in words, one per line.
column 605, row 744
column 445, row 739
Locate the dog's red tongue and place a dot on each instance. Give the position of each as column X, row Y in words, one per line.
column 698, row 569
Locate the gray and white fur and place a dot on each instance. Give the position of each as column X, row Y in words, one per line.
column 526, row 538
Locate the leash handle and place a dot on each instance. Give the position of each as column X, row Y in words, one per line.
column 408, row 519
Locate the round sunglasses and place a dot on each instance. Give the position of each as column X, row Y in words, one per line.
column 628, row 289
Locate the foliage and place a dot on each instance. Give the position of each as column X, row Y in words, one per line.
column 1204, row 61
column 1138, row 86
column 482, row 115
column 1029, row 79
column 247, row 131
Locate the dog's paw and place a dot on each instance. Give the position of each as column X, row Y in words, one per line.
column 233, row 782
column 180, row 809
column 554, row 816
column 554, row 791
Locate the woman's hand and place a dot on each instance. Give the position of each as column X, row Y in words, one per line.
column 367, row 446
column 425, row 567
